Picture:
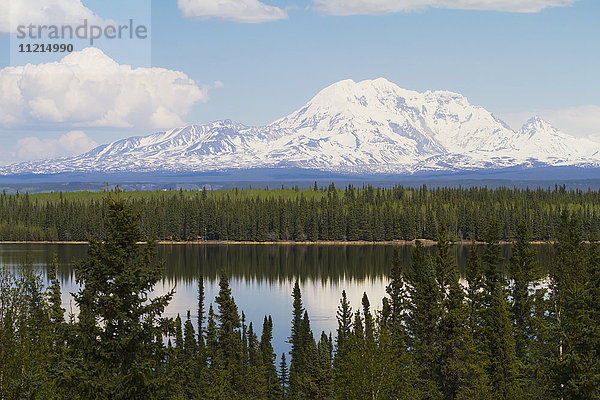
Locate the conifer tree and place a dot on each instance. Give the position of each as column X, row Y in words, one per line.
column 576, row 369
column 178, row 337
column 299, row 378
column 371, row 356
column 245, row 352
column 341, row 361
column 475, row 292
column 268, row 360
column 355, row 382
column 461, row 373
column 393, row 332
column 254, row 380
column 190, row 346
column 308, row 382
column 445, row 265
column 228, row 336
column 502, row 365
column 60, row 329
column 496, row 328
column 283, row 376
column 523, row 271
column 200, row 321
column 118, row 336
column 344, row 318
column 491, row 258
column 323, row 379
column 423, row 322
column 211, row 337
column 396, row 291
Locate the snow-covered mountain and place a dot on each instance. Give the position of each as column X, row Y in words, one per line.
column 371, row 126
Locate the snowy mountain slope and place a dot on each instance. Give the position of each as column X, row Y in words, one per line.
column 539, row 137
column 366, row 127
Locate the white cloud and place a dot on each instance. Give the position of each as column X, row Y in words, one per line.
column 88, row 88
column 71, row 143
column 43, row 12
column 582, row 121
column 76, row 142
column 246, row 11
column 375, row 7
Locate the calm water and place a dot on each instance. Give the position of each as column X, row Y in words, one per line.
column 262, row 276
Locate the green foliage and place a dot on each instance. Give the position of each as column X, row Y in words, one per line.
column 461, row 370
column 272, row 387
column 577, row 367
column 423, row 322
column 26, row 335
column 368, row 213
column 118, row 342
column 495, row 336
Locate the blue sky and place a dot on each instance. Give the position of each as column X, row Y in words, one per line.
column 515, row 64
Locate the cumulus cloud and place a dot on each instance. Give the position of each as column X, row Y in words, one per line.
column 44, row 12
column 88, row 88
column 71, row 143
column 375, row 7
column 582, row 121
column 246, row 11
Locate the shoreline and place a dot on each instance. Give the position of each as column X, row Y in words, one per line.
column 425, row 242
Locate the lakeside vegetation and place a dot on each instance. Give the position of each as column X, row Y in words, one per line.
column 495, row 338
column 318, row 214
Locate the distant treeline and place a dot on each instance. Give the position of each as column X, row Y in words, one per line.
column 531, row 336
column 328, row 214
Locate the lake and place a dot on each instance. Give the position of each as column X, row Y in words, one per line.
column 262, row 276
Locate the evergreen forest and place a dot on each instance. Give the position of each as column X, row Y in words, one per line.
column 519, row 335
column 317, row 214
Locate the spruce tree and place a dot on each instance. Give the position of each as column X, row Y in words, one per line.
column 475, row 293
column 496, row 326
column 344, row 318
column 200, row 320
column 353, row 386
column 190, row 346
column 445, row 265
column 60, row 329
column 283, row 376
column 576, row 369
column 299, row 386
column 268, row 360
column 523, row 271
column 118, row 335
column 308, row 382
column 323, row 378
column 211, row 337
column 502, row 365
column 341, row 362
column 393, row 333
column 396, row 291
column 461, row 373
column 423, row 322
column 254, row 381
column 229, row 341
column 491, row 257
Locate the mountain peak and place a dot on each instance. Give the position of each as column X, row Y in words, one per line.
column 349, row 86
column 536, row 120
column 383, row 90
column 538, row 126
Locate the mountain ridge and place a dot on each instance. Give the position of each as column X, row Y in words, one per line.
column 371, row 126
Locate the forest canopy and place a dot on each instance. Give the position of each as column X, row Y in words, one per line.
column 292, row 214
